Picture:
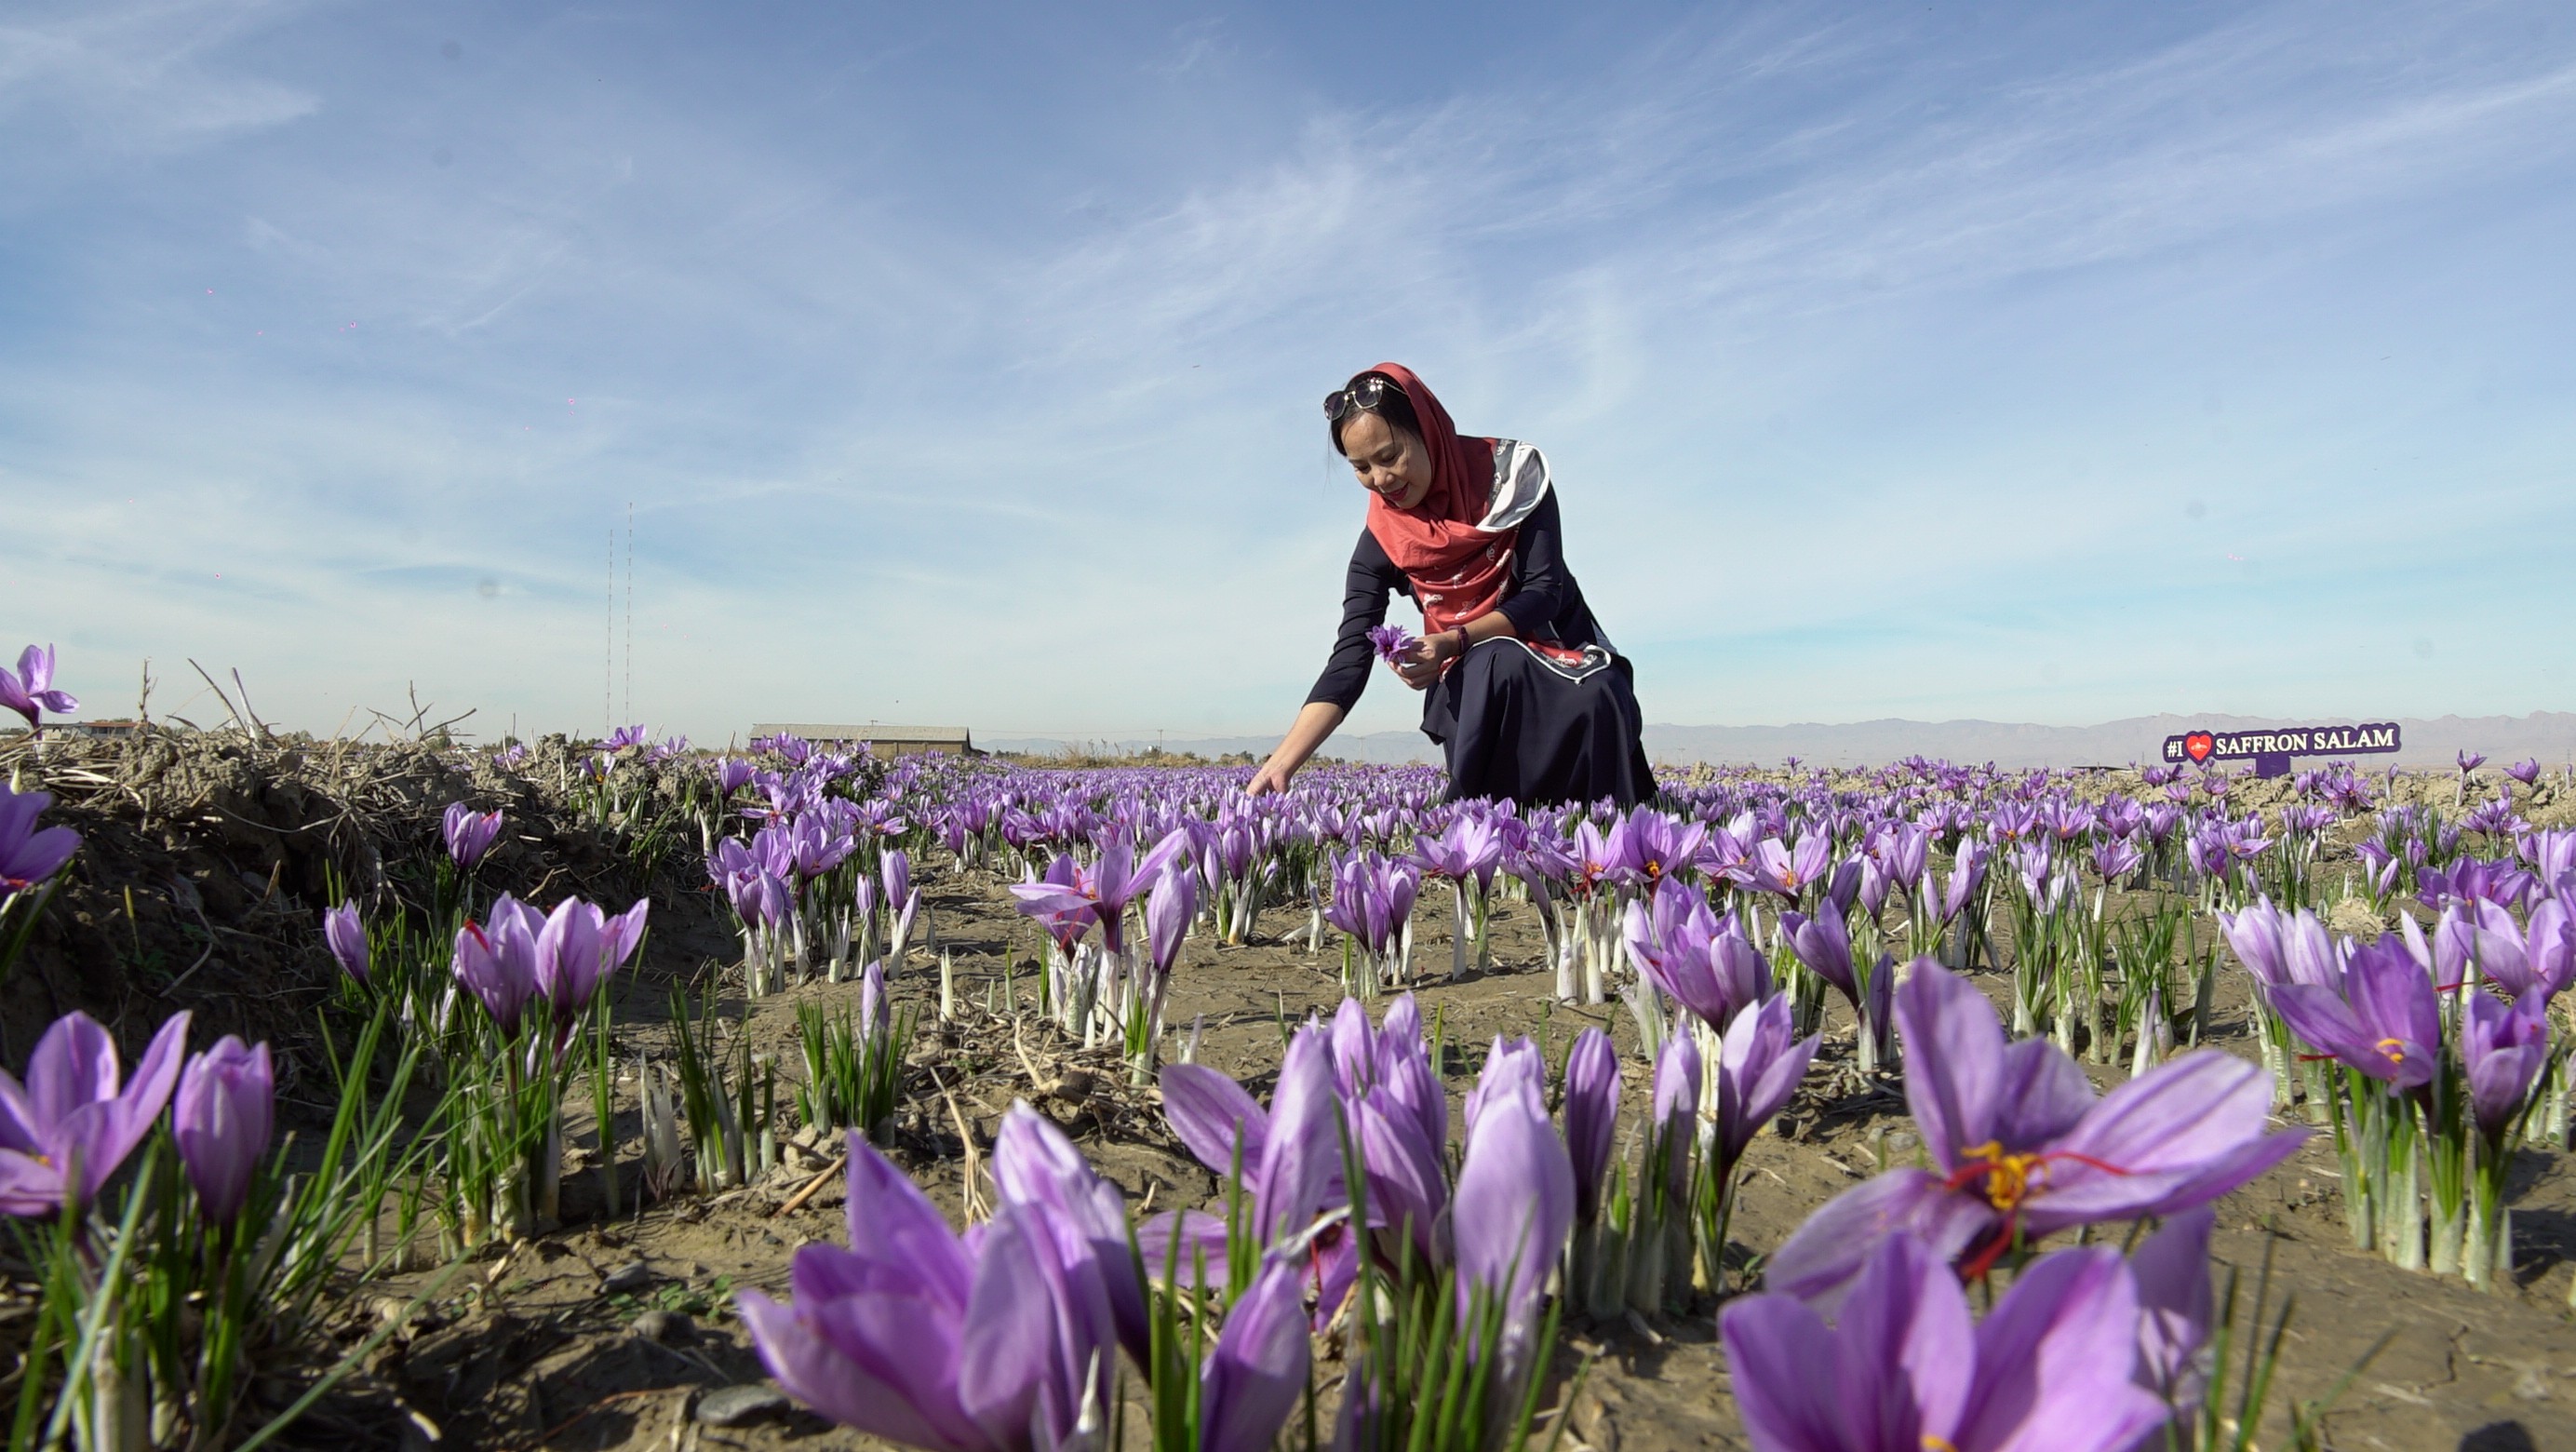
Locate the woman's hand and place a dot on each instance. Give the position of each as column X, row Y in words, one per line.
column 1273, row 777
column 1419, row 663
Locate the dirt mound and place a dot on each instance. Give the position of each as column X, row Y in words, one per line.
column 207, row 857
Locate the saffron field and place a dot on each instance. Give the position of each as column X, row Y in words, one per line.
column 613, row 1093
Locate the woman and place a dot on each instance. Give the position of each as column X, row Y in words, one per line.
column 1523, row 690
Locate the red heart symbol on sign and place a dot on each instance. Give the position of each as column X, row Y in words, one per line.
column 2199, row 744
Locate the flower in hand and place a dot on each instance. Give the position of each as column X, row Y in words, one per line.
column 1390, row 642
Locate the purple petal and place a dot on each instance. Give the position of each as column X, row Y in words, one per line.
column 126, row 1120
column 1013, row 1338
column 1954, row 1060
column 1201, row 1251
column 2179, row 1135
column 2044, row 1094
column 1821, row 1257
column 2175, row 1307
column 1257, row 1374
column 2055, row 1360
column 877, row 1398
column 1303, row 1159
column 1212, row 1115
column 28, row 1185
column 1515, row 1201
column 891, row 1222
column 1779, row 1360
column 74, row 1064
column 1898, row 1371
column 1591, row 1111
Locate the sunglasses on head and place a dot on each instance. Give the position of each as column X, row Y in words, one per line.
column 1361, row 397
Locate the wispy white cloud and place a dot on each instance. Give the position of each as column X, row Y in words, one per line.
column 138, row 78
column 1850, row 341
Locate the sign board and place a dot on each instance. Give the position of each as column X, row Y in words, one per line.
column 2271, row 749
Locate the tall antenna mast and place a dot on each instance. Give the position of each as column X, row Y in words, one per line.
column 630, row 609
column 608, row 661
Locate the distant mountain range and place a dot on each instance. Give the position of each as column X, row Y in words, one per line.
column 2547, row 735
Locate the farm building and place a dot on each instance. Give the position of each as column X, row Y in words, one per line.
column 881, row 740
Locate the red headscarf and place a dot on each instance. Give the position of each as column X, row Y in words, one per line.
column 1458, row 571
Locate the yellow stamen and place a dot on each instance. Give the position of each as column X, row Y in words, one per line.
column 2393, row 1048
column 2007, row 1177
column 1933, row 1443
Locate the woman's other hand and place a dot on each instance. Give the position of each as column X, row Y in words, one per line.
column 1419, row 663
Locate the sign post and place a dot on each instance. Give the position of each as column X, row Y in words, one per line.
column 2270, row 750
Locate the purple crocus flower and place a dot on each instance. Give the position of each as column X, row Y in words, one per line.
column 1786, row 870
column 816, row 846
column 1676, row 1108
column 222, row 1120
column 2504, row 1046
column 1001, row 1342
column 2175, row 1308
column 2024, row 1149
column 1168, row 914
column 1967, row 874
column 1399, row 1118
column 896, row 868
column 1390, row 642
column 1823, row 943
column 1511, row 1066
column 1602, row 858
column 29, row 854
column 30, row 691
column 347, row 937
column 1470, row 848
column 1514, row 1208
column 2470, row 760
column 1058, row 906
column 760, row 897
column 1591, row 1115
column 1906, row 1370
column 579, row 946
column 2280, row 948
column 72, row 1112
column 2116, row 859
column 1663, row 844
column 1117, row 879
column 2384, row 1019
column 469, row 834
column 1759, row 1066
column 1256, row 1373
column 2474, row 935
column 496, row 959
column 1702, row 961
column 732, row 774
column 1290, row 1154
column 1036, row 1167
column 2549, row 943
column 2551, row 853
column 872, row 1000
column 2475, row 879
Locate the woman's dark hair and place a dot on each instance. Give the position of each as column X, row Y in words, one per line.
column 1391, row 405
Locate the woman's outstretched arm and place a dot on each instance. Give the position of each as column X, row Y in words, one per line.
column 1314, row 724
column 1372, row 577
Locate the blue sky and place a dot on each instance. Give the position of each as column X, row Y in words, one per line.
column 2048, row 363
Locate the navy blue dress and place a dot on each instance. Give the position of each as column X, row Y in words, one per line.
column 1515, row 719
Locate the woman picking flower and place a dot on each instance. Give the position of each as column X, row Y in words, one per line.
column 1521, row 687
